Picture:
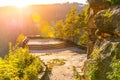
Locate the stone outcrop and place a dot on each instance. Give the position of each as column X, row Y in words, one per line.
column 98, row 67
column 94, row 7
column 103, row 62
column 108, row 21
column 98, row 5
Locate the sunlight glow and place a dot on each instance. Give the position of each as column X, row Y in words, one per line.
column 23, row 3
column 20, row 5
column 16, row 3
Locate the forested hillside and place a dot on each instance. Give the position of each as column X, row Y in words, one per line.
column 55, row 12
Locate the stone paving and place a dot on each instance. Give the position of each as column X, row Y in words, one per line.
column 73, row 56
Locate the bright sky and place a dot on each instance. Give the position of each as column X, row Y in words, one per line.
column 27, row 2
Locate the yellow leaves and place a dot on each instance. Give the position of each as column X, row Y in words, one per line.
column 95, row 53
column 107, row 14
column 51, row 34
column 20, row 38
column 77, row 31
column 7, row 70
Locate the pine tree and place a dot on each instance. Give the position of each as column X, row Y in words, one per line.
column 71, row 24
column 73, row 28
column 58, row 29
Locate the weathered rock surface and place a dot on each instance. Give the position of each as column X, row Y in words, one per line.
column 99, row 64
column 108, row 21
column 94, row 7
column 98, row 5
column 103, row 63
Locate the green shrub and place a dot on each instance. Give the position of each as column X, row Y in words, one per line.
column 20, row 65
column 31, row 72
column 57, row 62
column 83, row 39
column 115, row 73
column 7, row 71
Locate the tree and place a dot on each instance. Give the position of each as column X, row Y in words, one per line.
column 71, row 24
column 73, row 27
column 58, row 29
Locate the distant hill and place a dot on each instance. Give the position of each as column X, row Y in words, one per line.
column 50, row 13
column 14, row 21
column 55, row 12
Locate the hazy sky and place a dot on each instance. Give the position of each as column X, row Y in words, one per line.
column 27, row 2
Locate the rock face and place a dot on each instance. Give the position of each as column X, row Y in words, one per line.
column 96, row 4
column 104, row 61
column 94, row 7
column 99, row 66
column 108, row 21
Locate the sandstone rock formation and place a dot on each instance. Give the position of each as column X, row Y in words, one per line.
column 104, row 60
column 108, row 21
column 94, row 7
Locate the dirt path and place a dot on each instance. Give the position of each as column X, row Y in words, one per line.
column 71, row 56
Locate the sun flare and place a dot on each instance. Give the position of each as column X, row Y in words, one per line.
column 20, row 5
column 16, row 3
column 23, row 3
